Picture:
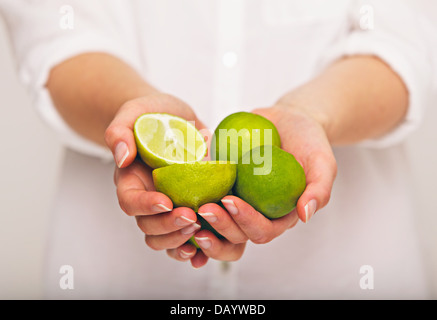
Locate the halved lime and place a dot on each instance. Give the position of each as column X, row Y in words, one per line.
column 163, row 139
column 195, row 184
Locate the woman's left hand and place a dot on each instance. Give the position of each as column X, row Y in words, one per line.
column 303, row 136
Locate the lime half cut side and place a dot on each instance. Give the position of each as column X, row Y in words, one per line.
column 163, row 139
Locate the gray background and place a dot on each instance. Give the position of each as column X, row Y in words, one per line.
column 30, row 161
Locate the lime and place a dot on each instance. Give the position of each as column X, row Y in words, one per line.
column 240, row 132
column 271, row 180
column 195, row 184
column 164, row 139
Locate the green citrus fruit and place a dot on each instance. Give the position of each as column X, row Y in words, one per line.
column 240, row 132
column 271, row 180
column 163, row 139
column 195, row 184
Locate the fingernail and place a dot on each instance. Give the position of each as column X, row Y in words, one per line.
column 230, row 206
column 183, row 221
column 121, row 153
column 190, row 229
column 310, row 209
column 158, row 208
column 185, row 255
column 203, row 242
column 208, row 216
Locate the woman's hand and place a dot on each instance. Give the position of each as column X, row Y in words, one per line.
column 354, row 99
column 170, row 229
column 164, row 227
column 303, row 136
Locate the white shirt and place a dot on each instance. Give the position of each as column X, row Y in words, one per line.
column 220, row 57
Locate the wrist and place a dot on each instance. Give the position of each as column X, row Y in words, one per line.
column 305, row 109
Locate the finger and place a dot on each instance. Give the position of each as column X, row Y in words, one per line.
column 219, row 249
column 138, row 202
column 320, row 174
column 119, row 135
column 133, row 197
column 138, row 169
column 295, row 219
column 172, row 240
column 166, row 222
column 222, row 222
column 255, row 225
column 199, row 260
column 183, row 253
column 202, row 128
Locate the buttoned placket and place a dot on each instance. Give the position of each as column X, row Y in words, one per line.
column 227, row 97
column 228, row 61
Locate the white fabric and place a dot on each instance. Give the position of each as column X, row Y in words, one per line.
column 224, row 56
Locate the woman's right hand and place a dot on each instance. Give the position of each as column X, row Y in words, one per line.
column 164, row 227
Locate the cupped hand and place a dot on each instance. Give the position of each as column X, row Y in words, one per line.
column 303, row 136
column 164, row 227
column 167, row 228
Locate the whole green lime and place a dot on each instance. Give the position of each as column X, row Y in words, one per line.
column 270, row 180
column 240, row 132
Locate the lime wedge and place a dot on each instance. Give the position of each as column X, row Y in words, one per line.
column 164, row 139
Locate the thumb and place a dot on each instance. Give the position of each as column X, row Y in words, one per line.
column 121, row 142
column 119, row 136
column 321, row 173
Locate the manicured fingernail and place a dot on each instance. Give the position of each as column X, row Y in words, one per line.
column 158, row 208
column 310, row 209
column 190, row 229
column 121, row 153
column 185, row 255
column 230, row 206
column 203, row 242
column 183, row 221
column 208, row 216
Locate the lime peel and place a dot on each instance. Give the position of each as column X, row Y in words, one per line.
column 195, row 184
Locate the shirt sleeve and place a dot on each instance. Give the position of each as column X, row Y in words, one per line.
column 44, row 33
column 399, row 33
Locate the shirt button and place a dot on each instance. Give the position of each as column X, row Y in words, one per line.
column 230, row 59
